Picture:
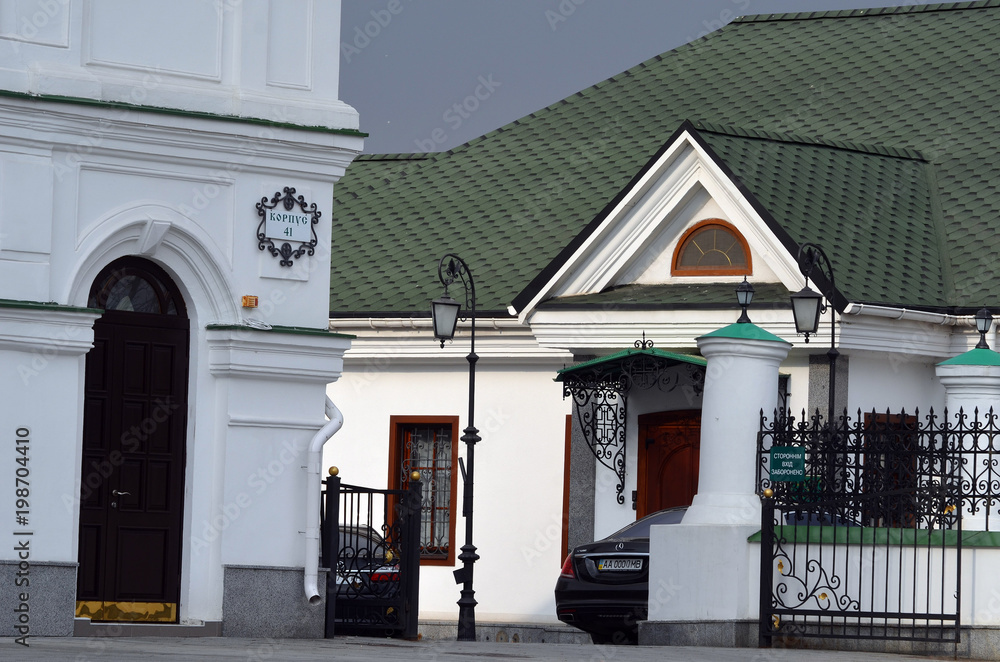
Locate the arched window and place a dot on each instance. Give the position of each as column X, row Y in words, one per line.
column 136, row 285
column 712, row 248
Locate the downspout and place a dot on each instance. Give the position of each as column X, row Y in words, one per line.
column 314, row 460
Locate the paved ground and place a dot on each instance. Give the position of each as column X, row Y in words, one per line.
column 355, row 649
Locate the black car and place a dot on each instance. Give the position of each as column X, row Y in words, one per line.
column 603, row 587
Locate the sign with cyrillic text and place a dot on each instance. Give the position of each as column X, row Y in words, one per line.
column 788, row 464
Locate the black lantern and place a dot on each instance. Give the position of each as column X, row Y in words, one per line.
column 744, row 295
column 444, row 315
column 807, row 305
column 806, row 309
column 983, row 322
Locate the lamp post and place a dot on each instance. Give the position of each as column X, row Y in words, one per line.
column 444, row 314
column 806, row 308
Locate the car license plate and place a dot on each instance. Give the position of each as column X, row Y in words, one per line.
column 611, row 565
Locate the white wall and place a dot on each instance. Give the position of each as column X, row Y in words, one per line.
column 893, row 382
column 271, row 59
column 519, row 466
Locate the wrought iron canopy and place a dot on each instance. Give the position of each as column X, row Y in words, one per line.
column 643, row 367
column 600, row 387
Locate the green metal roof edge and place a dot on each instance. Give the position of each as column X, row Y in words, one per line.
column 294, row 330
column 651, row 351
column 985, row 357
column 81, row 101
column 49, row 305
column 744, row 331
column 881, row 535
column 865, row 13
column 792, row 138
column 396, row 156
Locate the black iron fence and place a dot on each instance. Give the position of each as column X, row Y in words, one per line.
column 371, row 544
column 861, row 531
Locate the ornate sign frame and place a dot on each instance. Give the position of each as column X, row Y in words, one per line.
column 289, row 201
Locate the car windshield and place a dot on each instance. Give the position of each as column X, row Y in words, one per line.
column 640, row 528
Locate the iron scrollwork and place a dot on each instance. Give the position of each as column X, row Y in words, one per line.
column 883, row 494
column 603, row 423
column 289, row 201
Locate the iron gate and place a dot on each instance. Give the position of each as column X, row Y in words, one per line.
column 373, row 583
column 865, row 540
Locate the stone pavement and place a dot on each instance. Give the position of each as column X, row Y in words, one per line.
column 357, row 649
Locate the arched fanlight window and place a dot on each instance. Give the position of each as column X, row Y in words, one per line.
column 712, row 248
column 136, row 285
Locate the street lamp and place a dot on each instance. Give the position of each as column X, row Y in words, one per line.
column 983, row 321
column 807, row 307
column 744, row 295
column 444, row 313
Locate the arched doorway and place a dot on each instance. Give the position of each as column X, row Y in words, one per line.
column 134, row 431
column 669, row 453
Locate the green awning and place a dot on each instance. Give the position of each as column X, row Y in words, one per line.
column 613, row 362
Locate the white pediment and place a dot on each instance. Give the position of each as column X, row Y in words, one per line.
column 635, row 242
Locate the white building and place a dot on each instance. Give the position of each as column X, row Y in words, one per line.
column 164, row 416
column 631, row 211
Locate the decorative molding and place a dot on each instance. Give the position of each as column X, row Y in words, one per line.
column 152, row 236
column 47, row 331
column 176, row 137
column 237, row 421
column 271, row 357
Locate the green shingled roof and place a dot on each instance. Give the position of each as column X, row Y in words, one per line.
column 870, row 132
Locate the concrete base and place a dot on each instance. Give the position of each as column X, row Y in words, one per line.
column 83, row 627
column 717, row 634
column 701, row 573
column 977, row 643
column 514, row 633
column 51, row 603
column 259, row 601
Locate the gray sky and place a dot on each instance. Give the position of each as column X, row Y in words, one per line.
column 427, row 75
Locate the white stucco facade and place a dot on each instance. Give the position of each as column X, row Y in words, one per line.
column 521, row 417
column 151, row 131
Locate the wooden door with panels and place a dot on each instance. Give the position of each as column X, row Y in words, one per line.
column 668, row 460
column 134, row 434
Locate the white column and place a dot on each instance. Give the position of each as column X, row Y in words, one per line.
column 701, row 569
column 971, row 382
column 741, row 380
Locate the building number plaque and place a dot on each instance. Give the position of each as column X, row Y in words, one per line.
column 286, row 219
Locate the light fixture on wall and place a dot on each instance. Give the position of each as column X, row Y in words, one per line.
column 444, row 314
column 807, row 306
column 983, row 322
column 744, row 295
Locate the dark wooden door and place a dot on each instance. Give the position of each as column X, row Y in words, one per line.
column 132, row 485
column 669, row 452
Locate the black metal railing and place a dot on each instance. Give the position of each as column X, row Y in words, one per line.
column 374, row 572
column 865, row 540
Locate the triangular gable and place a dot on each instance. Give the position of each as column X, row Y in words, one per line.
column 682, row 183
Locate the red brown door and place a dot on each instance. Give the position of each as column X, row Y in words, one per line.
column 669, row 451
column 132, row 488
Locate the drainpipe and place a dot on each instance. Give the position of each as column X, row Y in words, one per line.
column 313, row 481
